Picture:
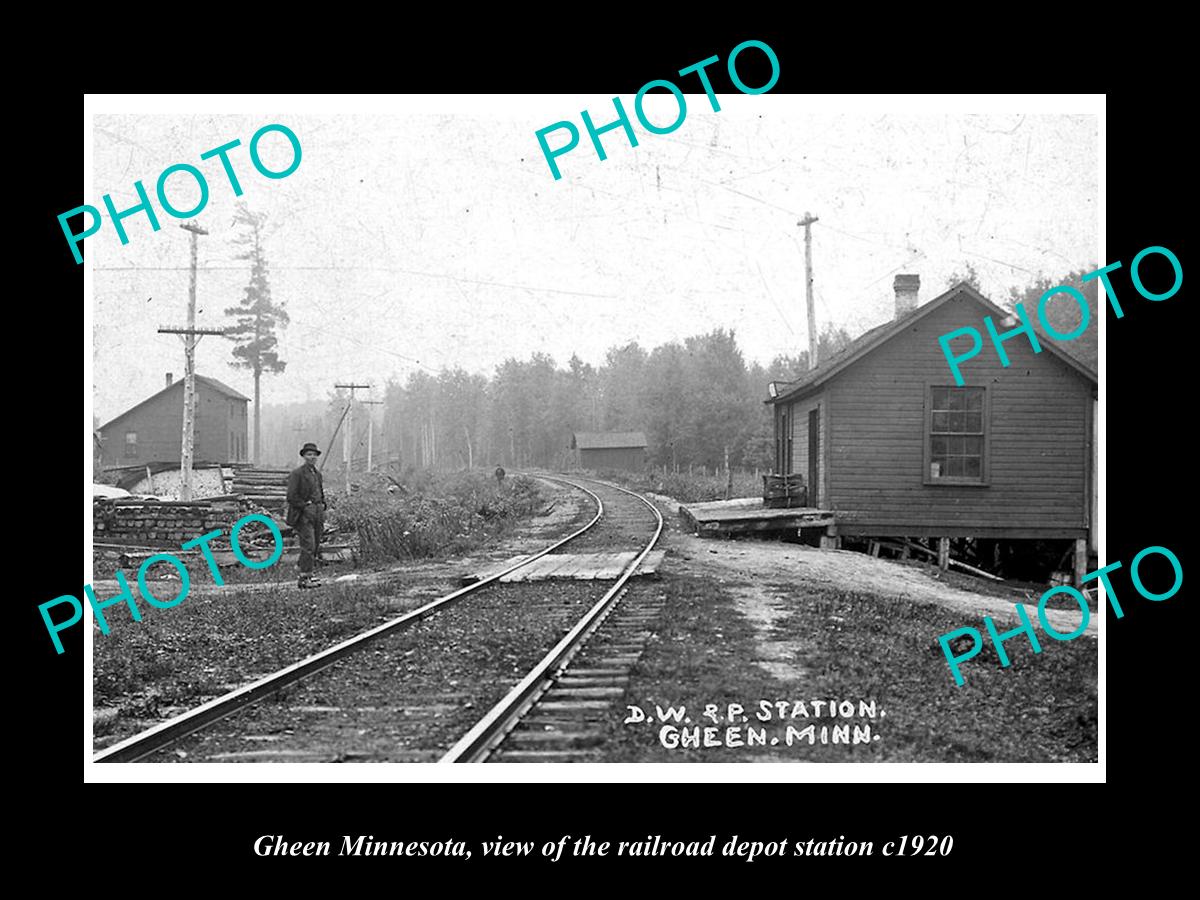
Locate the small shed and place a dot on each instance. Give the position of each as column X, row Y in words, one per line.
column 624, row 450
column 888, row 442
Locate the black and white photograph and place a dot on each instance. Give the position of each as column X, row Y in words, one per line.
column 532, row 429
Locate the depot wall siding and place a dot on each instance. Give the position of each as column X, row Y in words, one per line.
column 874, row 430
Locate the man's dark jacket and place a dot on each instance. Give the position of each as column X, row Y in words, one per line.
column 304, row 485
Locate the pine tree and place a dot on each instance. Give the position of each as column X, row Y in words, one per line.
column 257, row 315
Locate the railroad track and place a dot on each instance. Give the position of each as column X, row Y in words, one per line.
column 556, row 713
column 367, row 719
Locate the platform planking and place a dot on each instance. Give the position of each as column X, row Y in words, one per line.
column 749, row 514
column 576, row 566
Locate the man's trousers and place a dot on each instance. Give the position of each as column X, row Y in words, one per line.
column 309, row 528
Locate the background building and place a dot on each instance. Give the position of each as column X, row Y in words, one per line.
column 609, row 449
column 152, row 431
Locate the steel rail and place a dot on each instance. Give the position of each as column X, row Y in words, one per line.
column 153, row 739
column 487, row 734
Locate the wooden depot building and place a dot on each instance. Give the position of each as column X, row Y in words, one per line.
column 887, row 441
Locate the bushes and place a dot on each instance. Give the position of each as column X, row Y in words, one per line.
column 435, row 514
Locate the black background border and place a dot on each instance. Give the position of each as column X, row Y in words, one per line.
column 1147, row 402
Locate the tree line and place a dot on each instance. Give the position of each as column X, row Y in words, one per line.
column 694, row 400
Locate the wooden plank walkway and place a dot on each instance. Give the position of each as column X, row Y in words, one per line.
column 749, row 514
column 576, row 566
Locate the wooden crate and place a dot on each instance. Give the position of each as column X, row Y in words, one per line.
column 784, row 491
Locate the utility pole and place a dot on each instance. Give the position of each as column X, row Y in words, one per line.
column 346, row 453
column 299, row 428
column 191, row 337
column 808, row 284
column 370, row 427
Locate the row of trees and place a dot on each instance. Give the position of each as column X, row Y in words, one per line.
column 693, row 400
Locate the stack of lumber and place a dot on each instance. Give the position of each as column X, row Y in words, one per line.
column 265, row 486
column 784, row 491
column 156, row 523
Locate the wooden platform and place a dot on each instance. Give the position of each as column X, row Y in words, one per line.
column 749, row 514
column 576, row 566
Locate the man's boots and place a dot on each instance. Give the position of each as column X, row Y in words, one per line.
column 307, row 580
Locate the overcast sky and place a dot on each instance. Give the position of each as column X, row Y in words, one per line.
column 412, row 240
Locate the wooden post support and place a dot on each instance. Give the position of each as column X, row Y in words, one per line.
column 830, row 539
column 943, row 553
column 1081, row 558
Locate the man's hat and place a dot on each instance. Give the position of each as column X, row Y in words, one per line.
column 309, row 446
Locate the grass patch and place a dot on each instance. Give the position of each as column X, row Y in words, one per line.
column 224, row 637
column 1042, row 708
column 208, row 644
column 441, row 515
column 852, row 646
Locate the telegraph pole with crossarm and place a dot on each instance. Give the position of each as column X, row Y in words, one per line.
column 346, row 452
column 191, row 337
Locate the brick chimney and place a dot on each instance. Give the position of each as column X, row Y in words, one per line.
column 170, row 378
column 906, row 287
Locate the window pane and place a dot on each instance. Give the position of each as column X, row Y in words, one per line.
column 957, row 430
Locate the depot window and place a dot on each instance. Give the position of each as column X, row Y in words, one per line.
column 956, row 435
column 131, row 444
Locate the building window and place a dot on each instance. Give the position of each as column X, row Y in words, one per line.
column 956, row 428
column 131, row 444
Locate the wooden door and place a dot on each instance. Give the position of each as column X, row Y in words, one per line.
column 781, row 443
column 786, row 467
column 814, row 447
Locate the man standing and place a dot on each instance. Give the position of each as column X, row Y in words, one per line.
column 306, row 510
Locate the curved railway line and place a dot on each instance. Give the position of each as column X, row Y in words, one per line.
column 354, row 711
